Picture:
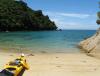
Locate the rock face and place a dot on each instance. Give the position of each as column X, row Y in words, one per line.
column 92, row 44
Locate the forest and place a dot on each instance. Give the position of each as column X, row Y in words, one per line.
column 15, row 15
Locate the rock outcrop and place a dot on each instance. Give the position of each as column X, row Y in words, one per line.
column 92, row 44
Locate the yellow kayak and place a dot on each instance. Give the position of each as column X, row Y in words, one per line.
column 16, row 67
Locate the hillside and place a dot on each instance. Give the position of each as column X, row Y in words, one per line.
column 15, row 15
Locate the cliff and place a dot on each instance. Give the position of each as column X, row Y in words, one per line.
column 92, row 44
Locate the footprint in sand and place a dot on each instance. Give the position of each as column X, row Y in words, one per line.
column 58, row 66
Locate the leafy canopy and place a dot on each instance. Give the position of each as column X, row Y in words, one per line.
column 15, row 15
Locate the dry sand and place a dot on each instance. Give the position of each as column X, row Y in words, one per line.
column 57, row 64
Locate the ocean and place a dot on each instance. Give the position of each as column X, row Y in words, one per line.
column 44, row 41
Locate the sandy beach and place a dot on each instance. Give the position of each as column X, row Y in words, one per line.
column 57, row 64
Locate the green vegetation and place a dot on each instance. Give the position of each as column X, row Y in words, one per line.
column 98, row 15
column 98, row 21
column 15, row 15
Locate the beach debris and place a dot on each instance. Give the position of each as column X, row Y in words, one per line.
column 58, row 66
column 57, row 57
column 84, row 61
column 95, row 69
column 43, row 52
column 30, row 55
column 11, row 55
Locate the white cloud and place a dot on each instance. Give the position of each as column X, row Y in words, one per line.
column 73, row 20
column 75, row 15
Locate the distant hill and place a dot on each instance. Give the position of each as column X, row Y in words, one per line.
column 15, row 15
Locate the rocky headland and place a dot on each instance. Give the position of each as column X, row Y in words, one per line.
column 92, row 45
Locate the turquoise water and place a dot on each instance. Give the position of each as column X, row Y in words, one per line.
column 48, row 41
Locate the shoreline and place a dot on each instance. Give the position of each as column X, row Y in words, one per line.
column 41, row 50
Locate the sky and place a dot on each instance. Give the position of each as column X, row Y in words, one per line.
column 69, row 14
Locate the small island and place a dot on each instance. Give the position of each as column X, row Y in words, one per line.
column 15, row 15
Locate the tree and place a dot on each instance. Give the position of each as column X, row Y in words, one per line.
column 98, row 15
